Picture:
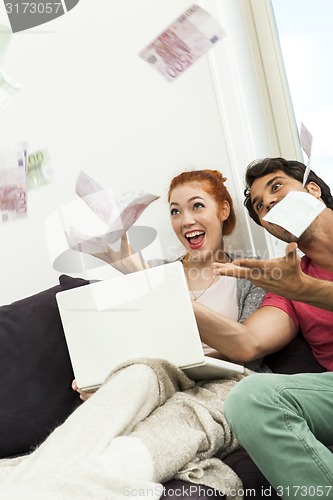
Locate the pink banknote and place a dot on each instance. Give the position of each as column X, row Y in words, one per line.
column 118, row 216
column 13, row 185
column 183, row 42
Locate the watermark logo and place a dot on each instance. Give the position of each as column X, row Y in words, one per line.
column 24, row 15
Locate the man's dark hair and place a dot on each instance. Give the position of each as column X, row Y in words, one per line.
column 293, row 168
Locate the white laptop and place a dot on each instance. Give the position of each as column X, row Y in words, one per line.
column 147, row 314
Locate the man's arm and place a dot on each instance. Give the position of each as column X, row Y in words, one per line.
column 267, row 330
column 282, row 276
column 318, row 293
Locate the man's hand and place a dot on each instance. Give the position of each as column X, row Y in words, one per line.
column 282, row 276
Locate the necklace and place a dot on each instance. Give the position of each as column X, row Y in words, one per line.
column 196, row 297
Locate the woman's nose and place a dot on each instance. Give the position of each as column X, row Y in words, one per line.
column 188, row 219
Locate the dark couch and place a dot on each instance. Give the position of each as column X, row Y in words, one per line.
column 36, row 394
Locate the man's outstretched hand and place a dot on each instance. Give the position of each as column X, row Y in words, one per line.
column 282, row 275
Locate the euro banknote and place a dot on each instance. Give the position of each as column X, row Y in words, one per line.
column 100, row 200
column 306, row 143
column 8, row 89
column 118, row 216
column 183, row 42
column 5, row 38
column 13, row 185
column 39, row 170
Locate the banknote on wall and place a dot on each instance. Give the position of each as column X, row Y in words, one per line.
column 39, row 172
column 13, row 184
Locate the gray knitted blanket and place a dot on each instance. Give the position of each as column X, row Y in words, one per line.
column 185, row 436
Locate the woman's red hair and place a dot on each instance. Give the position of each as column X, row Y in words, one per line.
column 211, row 181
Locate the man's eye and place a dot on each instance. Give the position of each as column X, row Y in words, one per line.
column 198, row 205
column 174, row 211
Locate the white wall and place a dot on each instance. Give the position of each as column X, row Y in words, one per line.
column 95, row 105
column 254, row 99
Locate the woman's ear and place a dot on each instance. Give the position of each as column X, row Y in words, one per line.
column 224, row 210
column 314, row 189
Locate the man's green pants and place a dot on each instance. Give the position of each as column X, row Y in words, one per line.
column 285, row 423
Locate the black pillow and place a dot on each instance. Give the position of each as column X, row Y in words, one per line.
column 35, row 370
column 252, row 478
column 296, row 357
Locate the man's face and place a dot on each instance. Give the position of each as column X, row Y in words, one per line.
column 266, row 192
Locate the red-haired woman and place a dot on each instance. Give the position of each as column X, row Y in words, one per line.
column 149, row 422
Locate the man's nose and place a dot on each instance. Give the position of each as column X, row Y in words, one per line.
column 269, row 202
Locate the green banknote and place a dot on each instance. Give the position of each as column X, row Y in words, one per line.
column 39, row 169
column 8, row 89
column 5, row 38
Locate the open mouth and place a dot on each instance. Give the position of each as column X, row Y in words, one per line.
column 195, row 238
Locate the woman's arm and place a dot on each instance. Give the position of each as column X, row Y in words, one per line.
column 125, row 259
column 265, row 331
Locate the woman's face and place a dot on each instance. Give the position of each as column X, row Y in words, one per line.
column 195, row 221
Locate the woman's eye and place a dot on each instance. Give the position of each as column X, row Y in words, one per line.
column 276, row 186
column 198, row 205
column 174, row 211
column 259, row 206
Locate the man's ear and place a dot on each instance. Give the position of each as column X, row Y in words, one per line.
column 314, row 189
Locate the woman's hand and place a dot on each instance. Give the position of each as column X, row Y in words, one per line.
column 84, row 395
column 125, row 259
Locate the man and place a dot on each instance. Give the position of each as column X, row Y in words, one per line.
column 284, row 421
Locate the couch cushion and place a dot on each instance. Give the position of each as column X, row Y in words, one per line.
column 254, row 483
column 35, row 370
column 296, row 357
column 182, row 489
